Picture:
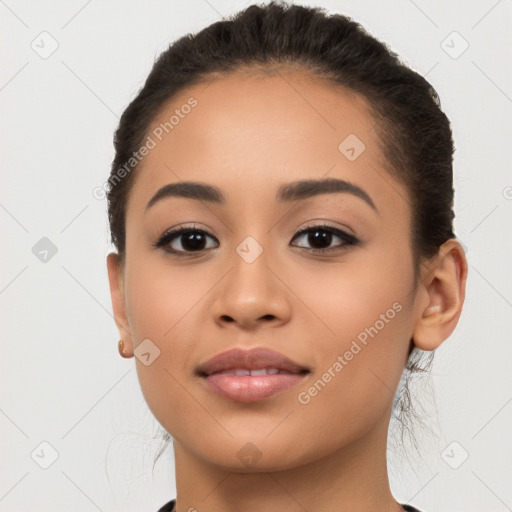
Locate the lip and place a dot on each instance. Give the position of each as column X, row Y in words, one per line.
column 250, row 388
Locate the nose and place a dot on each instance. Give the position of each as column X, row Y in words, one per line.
column 252, row 295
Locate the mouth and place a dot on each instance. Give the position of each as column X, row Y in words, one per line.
column 250, row 375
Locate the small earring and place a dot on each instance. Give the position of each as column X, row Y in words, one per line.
column 120, row 346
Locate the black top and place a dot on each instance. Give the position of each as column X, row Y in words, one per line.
column 169, row 507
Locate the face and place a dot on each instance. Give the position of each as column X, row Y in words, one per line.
column 324, row 277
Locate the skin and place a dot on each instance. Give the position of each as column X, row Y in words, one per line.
column 247, row 136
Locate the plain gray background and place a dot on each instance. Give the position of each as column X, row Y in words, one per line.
column 63, row 382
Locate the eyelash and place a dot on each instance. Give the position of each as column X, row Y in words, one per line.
column 349, row 240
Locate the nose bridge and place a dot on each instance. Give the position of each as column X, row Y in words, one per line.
column 251, row 279
column 252, row 244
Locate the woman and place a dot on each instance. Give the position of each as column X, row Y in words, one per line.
column 281, row 204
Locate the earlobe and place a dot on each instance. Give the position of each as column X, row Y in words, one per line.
column 443, row 293
column 115, row 277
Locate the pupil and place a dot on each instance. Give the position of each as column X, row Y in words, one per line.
column 320, row 237
column 194, row 241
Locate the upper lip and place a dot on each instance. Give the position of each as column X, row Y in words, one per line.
column 253, row 359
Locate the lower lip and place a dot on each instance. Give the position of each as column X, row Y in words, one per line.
column 251, row 388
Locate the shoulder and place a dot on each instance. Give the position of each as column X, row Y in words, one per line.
column 168, row 507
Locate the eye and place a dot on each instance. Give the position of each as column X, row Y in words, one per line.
column 188, row 240
column 320, row 236
column 185, row 240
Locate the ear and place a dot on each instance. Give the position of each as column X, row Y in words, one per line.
column 441, row 296
column 115, row 270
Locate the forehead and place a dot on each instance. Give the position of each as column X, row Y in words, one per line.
column 293, row 112
column 253, row 132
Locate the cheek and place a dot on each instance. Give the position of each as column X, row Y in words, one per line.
column 346, row 297
column 164, row 305
column 161, row 298
column 366, row 311
column 358, row 370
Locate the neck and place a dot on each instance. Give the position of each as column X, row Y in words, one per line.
column 352, row 478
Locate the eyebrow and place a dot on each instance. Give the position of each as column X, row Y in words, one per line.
column 289, row 192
